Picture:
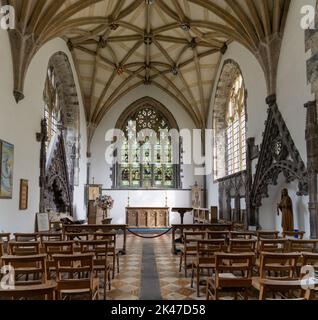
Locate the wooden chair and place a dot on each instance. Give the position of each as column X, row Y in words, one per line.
column 277, row 266
column 205, row 258
column 45, row 291
column 24, row 248
column 249, row 235
column 294, row 234
column 112, row 251
column 281, row 286
column 56, row 247
column 75, row 276
column 189, row 249
column 101, row 265
column 272, row 245
column 28, row 270
column 233, row 273
column 242, row 245
column 299, row 245
column 23, row 237
column 310, row 259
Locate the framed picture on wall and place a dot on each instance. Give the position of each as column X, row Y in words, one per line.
column 197, row 197
column 24, row 194
column 6, row 170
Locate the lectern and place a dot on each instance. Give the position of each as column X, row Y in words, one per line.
column 94, row 214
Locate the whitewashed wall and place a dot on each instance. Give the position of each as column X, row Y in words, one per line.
column 19, row 125
column 100, row 170
column 292, row 92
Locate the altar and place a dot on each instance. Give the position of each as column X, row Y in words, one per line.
column 147, row 217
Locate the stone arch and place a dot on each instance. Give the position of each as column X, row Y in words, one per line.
column 60, row 162
column 70, row 121
column 230, row 71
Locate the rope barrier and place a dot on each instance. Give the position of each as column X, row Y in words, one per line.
column 152, row 237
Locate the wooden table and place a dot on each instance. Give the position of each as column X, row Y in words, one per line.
column 46, row 289
column 182, row 212
column 93, row 228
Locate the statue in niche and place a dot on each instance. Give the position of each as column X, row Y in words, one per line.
column 286, row 207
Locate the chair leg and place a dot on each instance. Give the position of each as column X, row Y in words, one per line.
column 192, row 276
column 185, row 266
column 198, row 281
column 118, row 263
column 180, row 264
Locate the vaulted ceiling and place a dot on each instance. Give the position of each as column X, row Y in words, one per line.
column 175, row 45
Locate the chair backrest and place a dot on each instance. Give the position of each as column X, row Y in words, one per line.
column 190, row 240
column 217, row 235
column 29, row 269
column 50, row 236
column 98, row 247
column 5, row 237
column 70, row 236
column 310, row 259
column 206, row 249
column 242, row 245
column 299, row 245
column 58, row 247
column 267, row 235
column 25, row 237
column 278, row 265
column 75, row 266
column 242, row 234
column 294, row 234
column 24, row 248
column 234, row 263
column 110, row 236
column 273, row 245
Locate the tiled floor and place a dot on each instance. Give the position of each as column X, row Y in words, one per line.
column 173, row 285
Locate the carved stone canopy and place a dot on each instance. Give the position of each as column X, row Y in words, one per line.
column 278, row 155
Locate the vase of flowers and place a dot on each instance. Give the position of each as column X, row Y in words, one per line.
column 105, row 203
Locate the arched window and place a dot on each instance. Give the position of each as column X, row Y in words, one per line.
column 229, row 122
column 236, row 128
column 148, row 162
column 52, row 107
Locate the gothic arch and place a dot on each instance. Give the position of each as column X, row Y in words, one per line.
column 60, row 157
column 230, row 71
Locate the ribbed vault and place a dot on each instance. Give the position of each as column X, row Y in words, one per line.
column 175, row 45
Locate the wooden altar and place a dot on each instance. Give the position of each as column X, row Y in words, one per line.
column 147, row 217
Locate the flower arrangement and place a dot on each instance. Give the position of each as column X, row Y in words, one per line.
column 104, row 202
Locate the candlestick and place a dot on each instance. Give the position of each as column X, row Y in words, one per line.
column 128, row 204
column 166, row 200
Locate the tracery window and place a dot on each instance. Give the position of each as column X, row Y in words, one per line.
column 236, row 129
column 52, row 106
column 147, row 162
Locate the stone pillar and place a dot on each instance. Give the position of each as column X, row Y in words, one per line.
column 312, row 165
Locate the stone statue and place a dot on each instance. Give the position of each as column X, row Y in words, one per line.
column 286, row 207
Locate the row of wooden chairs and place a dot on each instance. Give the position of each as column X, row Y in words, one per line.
column 233, row 272
column 239, row 242
column 29, row 244
column 60, row 258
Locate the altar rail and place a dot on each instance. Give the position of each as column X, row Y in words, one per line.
column 196, row 227
column 93, row 228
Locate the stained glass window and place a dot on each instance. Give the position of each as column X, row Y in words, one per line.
column 147, row 162
column 236, row 129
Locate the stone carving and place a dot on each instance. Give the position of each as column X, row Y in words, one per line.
column 278, row 155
